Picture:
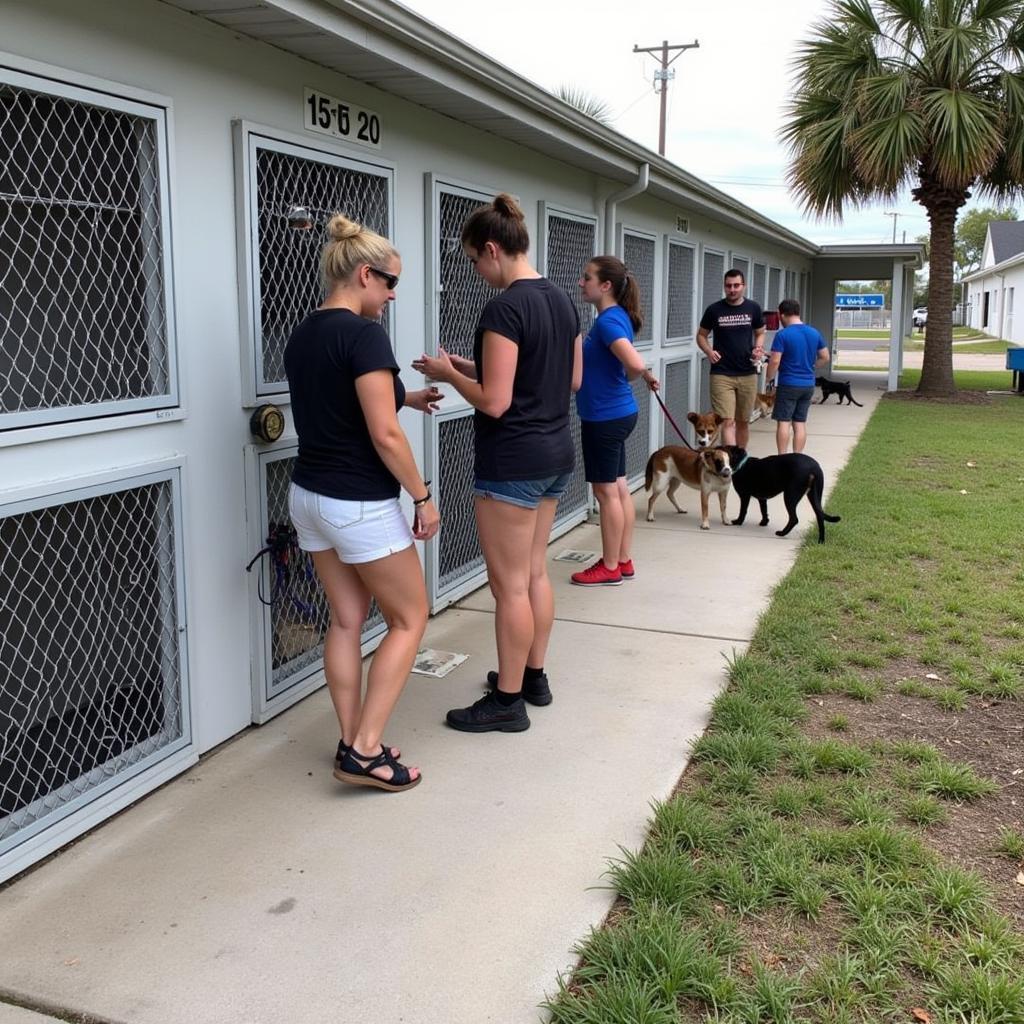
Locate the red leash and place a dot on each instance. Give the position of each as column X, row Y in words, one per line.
column 675, row 426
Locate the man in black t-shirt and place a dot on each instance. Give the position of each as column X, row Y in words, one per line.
column 736, row 325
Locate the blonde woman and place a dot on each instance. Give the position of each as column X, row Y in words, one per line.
column 353, row 461
column 527, row 360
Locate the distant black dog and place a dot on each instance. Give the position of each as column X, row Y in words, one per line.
column 792, row 475
column 835, row 387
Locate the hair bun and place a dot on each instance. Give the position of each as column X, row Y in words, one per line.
column 508, row 207
column 339, row 227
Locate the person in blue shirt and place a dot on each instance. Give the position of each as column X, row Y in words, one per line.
column 608, row 411
column 798, row 350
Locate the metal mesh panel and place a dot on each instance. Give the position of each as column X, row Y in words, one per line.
column 82, row 311
column 676, row 396
column 570, row 244
column 790, row 285
column 705, row 385
column 638, row 255
column 712, row 278
column 463, row 292
column 760, row 276
column 90, row 683
column 638, row 442
column 458, row 545
column 299, row 615
column 681, row 265
column 288, row 260
column 742, row 264
column 802, row 293
column 774, row 284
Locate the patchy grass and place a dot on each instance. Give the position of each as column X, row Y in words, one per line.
column 837, row 849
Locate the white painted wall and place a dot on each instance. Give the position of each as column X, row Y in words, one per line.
column 1005, row 315
column 212, row 77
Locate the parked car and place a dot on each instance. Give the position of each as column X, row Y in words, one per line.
column 920, row 316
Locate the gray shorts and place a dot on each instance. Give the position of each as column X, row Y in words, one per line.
column 792, row 403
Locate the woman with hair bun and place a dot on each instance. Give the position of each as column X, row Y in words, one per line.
column 608, row 412
column 527, row 360
column 353, row 461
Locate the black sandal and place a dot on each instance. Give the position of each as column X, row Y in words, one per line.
column 343, row 748
column 352, row 770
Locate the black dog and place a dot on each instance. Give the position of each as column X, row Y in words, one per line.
column 835, row 387
column 792, row 475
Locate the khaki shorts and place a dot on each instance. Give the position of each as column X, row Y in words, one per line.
column 733, row 397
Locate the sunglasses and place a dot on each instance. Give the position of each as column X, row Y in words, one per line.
column 390, row 280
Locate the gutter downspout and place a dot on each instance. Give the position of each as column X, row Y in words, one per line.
column 638, row 186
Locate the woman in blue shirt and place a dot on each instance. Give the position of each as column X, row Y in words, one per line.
column 608, row 411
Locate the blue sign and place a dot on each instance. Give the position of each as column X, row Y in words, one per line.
column 860, row 301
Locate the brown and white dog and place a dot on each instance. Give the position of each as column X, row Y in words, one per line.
column 708, row 471
column 763, row 405
column 707, row 428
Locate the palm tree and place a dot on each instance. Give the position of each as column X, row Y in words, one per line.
column 928, row 93
column 586, row 103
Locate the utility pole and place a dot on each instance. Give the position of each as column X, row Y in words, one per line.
column 895, row 217
column 663, row 75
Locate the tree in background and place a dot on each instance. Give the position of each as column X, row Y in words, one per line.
column 929, row 93
column 586, row 103
column 971, row 230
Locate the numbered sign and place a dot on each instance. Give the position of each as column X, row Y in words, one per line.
column 328, row 115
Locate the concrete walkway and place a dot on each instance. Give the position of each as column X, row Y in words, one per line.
column 256, row 889
column 913, row 360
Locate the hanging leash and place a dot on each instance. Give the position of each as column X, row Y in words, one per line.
column 285, row 554
column 675, row 426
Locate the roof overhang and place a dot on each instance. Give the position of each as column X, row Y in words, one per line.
column 393, row 49
column 912, row 254
column 996, row 269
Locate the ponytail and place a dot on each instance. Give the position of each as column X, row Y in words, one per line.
column 624, row 286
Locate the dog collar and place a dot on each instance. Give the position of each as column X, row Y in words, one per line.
column 743, row 462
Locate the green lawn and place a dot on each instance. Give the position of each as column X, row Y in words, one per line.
column 792, row 878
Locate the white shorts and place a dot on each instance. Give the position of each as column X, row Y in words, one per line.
column 360, row 531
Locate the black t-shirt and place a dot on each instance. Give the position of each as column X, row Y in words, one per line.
column 532, row 439
column 324, row 356
column 732, row 329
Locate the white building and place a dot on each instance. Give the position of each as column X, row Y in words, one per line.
column 150, row 153
column 991, row 289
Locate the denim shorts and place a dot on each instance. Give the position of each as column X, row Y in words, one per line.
column 524, row 493
column 604, row 448
column 792, row 403
column 359, row 531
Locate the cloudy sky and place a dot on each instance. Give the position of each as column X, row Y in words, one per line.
column 725, row 105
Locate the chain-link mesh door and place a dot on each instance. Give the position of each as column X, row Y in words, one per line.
column 84, row 327
column 675, row 393
column 704, row 405
column 774, row 286
column 569, row 244
column 790, row 285
column 459, row 558
column 91, row 680
column 742, row 264
column 463, row 292
column 681, row 266
column 638, row 253
column 295, row 613
column 638, row 443
column 712, row 278
column 286, row 260
column 760, row 281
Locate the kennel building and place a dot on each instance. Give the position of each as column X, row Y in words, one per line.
column 155, row 158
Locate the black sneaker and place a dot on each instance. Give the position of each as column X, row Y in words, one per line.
column 487, row 715
column 536, row 691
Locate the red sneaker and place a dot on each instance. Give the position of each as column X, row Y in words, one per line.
column 627, row 570
column 598, row 575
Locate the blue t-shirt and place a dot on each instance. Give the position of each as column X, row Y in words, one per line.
column 605, row 393
column 799, row 344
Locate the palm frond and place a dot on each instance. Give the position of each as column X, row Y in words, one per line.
column 586, row 103
column 886, row 151
column 964, row 134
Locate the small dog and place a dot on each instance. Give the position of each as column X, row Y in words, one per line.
column 835, row 387
column 763, row 405
column 708, row 470
column 792, row 475
column 707, row 428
